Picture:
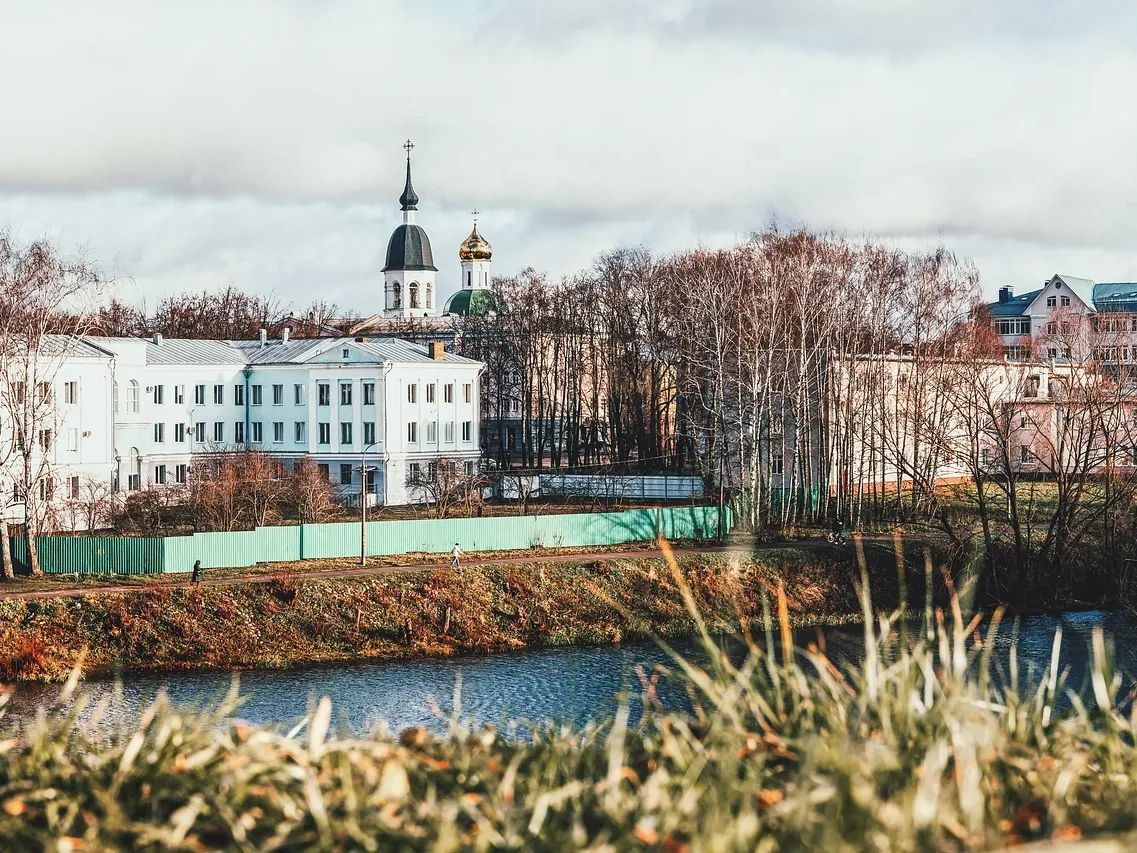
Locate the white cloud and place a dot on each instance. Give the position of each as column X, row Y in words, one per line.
column 207, row 143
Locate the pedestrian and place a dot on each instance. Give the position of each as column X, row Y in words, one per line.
column 196, row 578
column 455, row 553
column 481, row 512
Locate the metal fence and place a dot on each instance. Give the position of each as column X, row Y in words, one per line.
column 93, row 555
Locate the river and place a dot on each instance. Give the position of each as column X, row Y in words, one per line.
column 564, row 685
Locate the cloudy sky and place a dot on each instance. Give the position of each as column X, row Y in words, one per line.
column 200, row 144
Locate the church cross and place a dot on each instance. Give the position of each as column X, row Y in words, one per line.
column 474, row 213
column 407, row 146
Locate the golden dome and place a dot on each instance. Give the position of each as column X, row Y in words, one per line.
column 475, row 247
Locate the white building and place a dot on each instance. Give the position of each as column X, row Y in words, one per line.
column 330, row 399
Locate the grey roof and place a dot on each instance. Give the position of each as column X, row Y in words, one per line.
column 1115, row 295
column 409, row 249
column 1015, row 307
column 178, row 351
column 302, row 352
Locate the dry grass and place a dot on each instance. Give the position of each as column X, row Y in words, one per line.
column 918, row 747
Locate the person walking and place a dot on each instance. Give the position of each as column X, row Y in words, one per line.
column 455, row 553
column 196, row 577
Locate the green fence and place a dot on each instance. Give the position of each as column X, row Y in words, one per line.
column 91, row 555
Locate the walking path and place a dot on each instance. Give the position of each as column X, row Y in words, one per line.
column 264, row 577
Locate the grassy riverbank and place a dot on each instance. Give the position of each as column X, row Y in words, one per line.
column 913, row 749
column 283, row 621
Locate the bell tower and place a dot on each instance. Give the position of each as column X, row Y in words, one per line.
column 409, row 288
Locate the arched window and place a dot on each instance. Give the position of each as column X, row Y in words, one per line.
column 469, row 278
column 429, row 295
column 132, row 397
column 396, row 295
column 414, row 294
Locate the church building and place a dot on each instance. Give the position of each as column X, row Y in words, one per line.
column 411, row 290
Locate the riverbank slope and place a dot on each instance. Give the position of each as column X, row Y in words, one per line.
column 283, row 621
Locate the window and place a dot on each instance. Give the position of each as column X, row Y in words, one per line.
column 73, row 487
column 180, row 474
column 515, row 406
column 448, row 393
column 179, row 432
column 199, row 431
column 413, row 290
column 47, row 489
column 239, row 432
column 429, row 295
column 239, row 395
column 467, row 431
column 71, row 392
column 160, row 475
column 431, row 432
column 448, row 432
column 43, row 392
column 1052, row 353
column 325, row 433
column 469, row 468
column 72, row 439
column 430, row 393
column 1014, row 326
column 1065, row 301
column 45, row 439
column 299, row 394
column 325, row 471
column 18, row 391
column 134, row 478
column 179, row 395
column 114, row 399
column 369, row 393
column 218, row 431
column 369, row 432
column 257, row 395
column 431, row 472
column 346, row 352
column 1022, row 421
column 199, row 395
column 412, row 432
column 299, row 431
column 218, row 394
column 467, row 392
column 1051, row 301
column 1051, row 328
column 278, row 395
column 159, row 394
column 132, row 397
column 159, row 433
column 345, row 432
column 257, row 430
column 412, row 393
column 345, row 473
column 323, row 394
column 278, row 432
column 414, row 471
column 1024, row 453
column 345, row 393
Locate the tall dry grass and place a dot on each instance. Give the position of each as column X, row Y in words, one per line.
column 922, row 744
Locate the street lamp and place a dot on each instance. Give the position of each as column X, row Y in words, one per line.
column 363, row 504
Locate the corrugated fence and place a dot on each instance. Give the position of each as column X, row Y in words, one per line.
column 138, row 556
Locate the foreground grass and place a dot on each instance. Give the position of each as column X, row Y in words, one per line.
column 918, row 747
column 289, row 620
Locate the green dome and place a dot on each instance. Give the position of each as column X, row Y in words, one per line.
column 471, row 303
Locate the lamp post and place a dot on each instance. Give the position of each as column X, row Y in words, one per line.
column 363, row 504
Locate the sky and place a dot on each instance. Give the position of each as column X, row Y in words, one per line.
column 196, row 145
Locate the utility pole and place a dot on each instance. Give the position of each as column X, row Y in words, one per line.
column 363, row 505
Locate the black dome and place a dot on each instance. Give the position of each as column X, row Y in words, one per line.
column 409, row 249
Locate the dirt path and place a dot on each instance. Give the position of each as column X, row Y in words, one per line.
column 444, row 561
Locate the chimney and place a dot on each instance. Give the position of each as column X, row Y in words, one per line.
column 264, row 337
column 437, row 350
column 284, row 335
column 1005, row 293
column 157, row 339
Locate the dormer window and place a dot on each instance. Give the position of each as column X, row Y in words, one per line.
column 346, row 352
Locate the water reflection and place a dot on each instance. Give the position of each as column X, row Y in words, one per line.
column 566, row 685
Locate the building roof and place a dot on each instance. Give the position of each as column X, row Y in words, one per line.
column 409, row 249
column 1083, row 288
column 247, row 353
column 1116, row 296
column 409, row 199
column 472, row 303
column 1015, row 307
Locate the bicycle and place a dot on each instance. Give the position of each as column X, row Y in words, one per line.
column 836, row 538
